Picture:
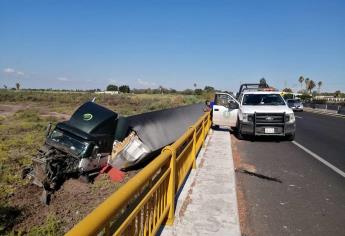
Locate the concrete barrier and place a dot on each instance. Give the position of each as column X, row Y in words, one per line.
column 341, row 110
column 320, row 106
column 333, row 107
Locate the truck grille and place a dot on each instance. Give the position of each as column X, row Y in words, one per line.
column 273, row 121
column 272, row 118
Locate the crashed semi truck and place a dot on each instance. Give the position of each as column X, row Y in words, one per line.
column 95, row 137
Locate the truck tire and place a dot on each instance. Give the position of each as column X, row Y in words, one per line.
column 290, row 137
column 238, row 131
column 215, row 127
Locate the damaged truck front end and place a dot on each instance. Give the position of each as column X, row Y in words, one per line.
column 74, row 148
column 95, row 137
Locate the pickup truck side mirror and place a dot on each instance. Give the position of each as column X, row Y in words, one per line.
column 233, row 105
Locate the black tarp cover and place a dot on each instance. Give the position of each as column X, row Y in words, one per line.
column 160, row 128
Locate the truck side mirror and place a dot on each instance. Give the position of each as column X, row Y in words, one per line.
column 233, row 105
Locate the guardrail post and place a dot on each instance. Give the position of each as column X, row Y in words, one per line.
column 194, row 147
column 172, row 185
column 107, row 229
column 209, row 121
column 203, row 132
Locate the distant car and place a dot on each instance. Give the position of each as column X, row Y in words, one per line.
column 295, row 104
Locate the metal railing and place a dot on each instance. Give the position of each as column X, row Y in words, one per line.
column 147, row 200
column 333, row 108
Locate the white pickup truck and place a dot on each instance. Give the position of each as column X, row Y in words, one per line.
column 254, row 113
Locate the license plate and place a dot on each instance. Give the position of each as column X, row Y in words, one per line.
column 269, row 130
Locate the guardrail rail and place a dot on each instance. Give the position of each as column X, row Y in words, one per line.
column 336, row 108
column 147, row 201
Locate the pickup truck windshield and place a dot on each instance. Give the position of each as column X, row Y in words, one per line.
column 263, row 99
column 293, row 101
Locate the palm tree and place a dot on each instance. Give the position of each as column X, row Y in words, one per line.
column 300, row 80
column 319, row 84
column 306, row 81
column 17, row 86
column 337, row 93
column 311, row 85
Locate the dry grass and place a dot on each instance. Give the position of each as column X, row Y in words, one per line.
column 23, row 120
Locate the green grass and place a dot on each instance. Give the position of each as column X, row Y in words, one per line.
column 124, row 104
column 51, row 227
column 23, row 131
column 20, row 137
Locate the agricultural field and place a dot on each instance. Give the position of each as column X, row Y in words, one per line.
column 24, row 117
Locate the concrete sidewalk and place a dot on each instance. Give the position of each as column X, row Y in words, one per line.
column 207, row 204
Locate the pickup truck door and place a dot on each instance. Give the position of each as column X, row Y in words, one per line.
column 225, row 110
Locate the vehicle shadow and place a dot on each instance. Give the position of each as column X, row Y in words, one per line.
column 251, row 138
column 225, row 129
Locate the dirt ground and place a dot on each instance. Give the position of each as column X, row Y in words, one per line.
column 24, row 211
column 81, row 197
column 24, row 117
column 7, row 110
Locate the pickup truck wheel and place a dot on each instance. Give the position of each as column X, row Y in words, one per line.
column 215, row 127
column 290, row 137
column 238, row 131
column 240, row 136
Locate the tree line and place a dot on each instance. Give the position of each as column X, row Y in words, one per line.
column 160, row 90
column 127, row 89
column 308, row 86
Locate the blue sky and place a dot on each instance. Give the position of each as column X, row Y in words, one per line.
column 89, row 44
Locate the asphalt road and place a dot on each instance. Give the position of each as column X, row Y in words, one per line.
column 310, row 200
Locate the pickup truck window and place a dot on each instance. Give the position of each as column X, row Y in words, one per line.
column 263, row 99
column 222, row 100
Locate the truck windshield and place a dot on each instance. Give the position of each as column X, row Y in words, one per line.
column 263, row 99
column 292, row 101
column 75, row 146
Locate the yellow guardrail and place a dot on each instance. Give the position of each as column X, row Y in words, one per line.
column 147, row 200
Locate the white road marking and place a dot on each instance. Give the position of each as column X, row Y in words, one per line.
column 299, row 117
column 317, row 157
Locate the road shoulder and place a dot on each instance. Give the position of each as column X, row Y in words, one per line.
column 207, row 204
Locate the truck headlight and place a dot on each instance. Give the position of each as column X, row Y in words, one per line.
column 290, row 118
column 246, row 117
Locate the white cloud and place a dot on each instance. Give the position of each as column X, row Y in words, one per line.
column 62, row 79
column 9, row 71
column 112, row 81
column 145, row 83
